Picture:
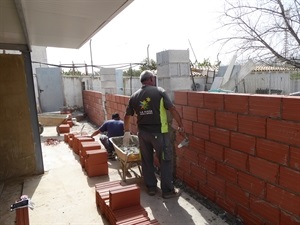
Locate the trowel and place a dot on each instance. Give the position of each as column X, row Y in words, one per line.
column 185, row 141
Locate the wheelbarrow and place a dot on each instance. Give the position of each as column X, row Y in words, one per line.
column 52, row 119
column 128, row 157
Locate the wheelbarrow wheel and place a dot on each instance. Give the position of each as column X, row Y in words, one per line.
column 41, row 128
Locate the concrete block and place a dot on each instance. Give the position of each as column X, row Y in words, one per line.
column 105, row 71
column 172, row 56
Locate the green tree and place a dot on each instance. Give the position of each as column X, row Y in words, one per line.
column 144, row 65
column 73, row 72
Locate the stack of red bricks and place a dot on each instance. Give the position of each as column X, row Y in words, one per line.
column 121, row 204
column 65, row 126
column 92, row 158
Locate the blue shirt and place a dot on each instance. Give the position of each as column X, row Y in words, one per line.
column 113, row 128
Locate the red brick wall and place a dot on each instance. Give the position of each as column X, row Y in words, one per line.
column 244, row 151
column 92, row 101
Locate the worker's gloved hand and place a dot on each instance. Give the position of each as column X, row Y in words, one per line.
column 126, row 138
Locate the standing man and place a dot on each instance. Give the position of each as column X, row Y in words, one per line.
column 110, row 128
column 151, row 103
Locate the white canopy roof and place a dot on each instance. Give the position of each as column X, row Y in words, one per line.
column 55, row 23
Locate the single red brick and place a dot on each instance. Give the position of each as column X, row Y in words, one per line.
column 243, row 142
column 207, row 163
column 214, row 151
column 130, row 215
column 214, row 101
column 215, row 182
column 198, row 172
column 124, row 197
column 263, row 105
column 64, row 128
column 227, row 172
column 70, row 122
column 139, row 219
column 197, row 144
column 220, row 136
column 191, row 181
column 183, row 164
column 188, row 126
column 288, row 219
column 272, row 151
column 179, row 109
column 283, row 131
column 248, row 217
column 236, row 103
column 207, row 191
column 180, row 97
column 88, row 145
column 190, row 155
column 283, row 199
column 77, row 142
column 226, row 120
column 252, row 125
column 237, row 195
column 236, row 159
column 189, row 113
column 201, row 130
column 295, row 158
column 290, row 179
column 195, row 99
column 226, row 203
column 206, row 116
column 96, row 156
column 252, row 184
column 263, row 169
column 96, row 170
column 265, row 210
column 291, row 108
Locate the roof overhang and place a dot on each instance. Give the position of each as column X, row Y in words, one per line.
column 55, row 23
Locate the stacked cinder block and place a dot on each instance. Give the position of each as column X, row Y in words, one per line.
column 121, row 204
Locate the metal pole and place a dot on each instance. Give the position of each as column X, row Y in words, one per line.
column 91, row 57
column 148, row 55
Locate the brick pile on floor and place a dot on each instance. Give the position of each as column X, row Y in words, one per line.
column 92, row 158
column 120, row 204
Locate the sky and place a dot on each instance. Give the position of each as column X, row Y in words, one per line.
column 147, row 27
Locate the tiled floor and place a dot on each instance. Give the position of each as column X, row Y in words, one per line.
column 65, row 195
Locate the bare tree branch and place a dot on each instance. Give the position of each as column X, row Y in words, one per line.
column 264, row 30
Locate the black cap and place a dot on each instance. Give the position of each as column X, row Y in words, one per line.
column 115, row 116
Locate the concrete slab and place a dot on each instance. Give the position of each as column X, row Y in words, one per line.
column 65, row 195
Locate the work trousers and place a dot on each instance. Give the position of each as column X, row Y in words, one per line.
column 107, row 144
column 157, row 144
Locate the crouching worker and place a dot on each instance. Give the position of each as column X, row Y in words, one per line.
column 110, row 128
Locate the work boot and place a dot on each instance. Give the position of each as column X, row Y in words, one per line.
column 172, row 194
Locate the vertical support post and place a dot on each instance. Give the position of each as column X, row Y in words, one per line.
column 22, row 216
